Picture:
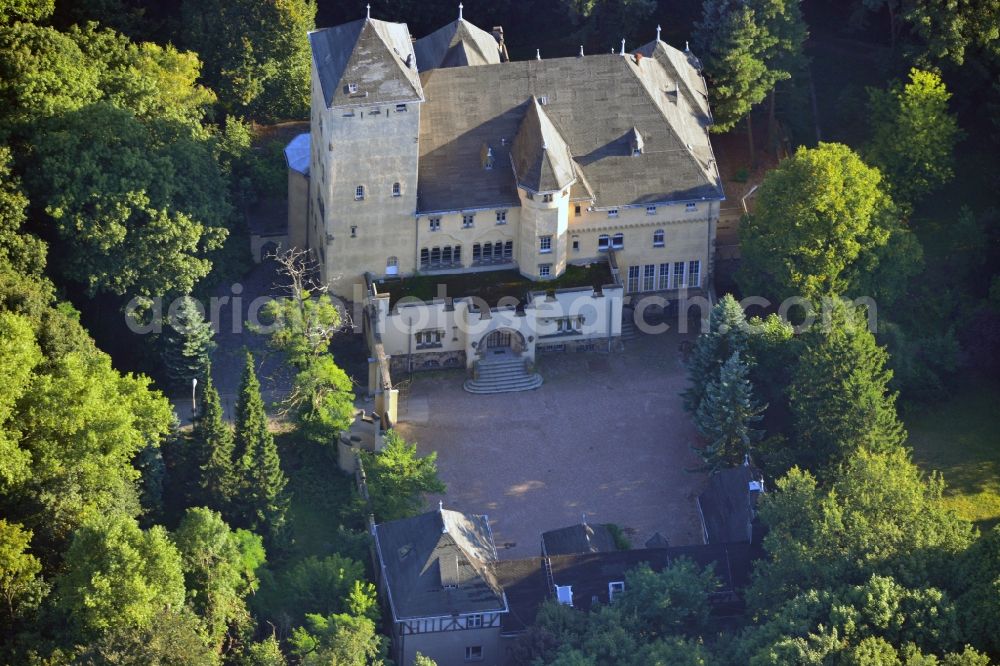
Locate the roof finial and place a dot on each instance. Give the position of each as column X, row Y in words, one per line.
column 686, row 48
column 538, row 54
column 368, row 11
column 581, row 50
column 623, row 46
column 658, row 32
column 440, row 505
column 460, row 11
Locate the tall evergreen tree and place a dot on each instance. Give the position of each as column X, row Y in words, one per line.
column 725, row 415
column 839, row 394
column 187, row 343
column 262, row 483
column 212, row 445
column 727, row 333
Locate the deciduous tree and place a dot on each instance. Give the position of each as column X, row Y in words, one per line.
column 398, row 478
column 21, row 586
column 338, row 639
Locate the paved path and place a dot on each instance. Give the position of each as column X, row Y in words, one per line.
column 606, row 435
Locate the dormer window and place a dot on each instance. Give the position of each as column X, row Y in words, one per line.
column 613, row 212
column 486, row 156
column 352, row 88
column 650, row 210
column 690, row 208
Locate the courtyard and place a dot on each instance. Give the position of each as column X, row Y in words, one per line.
column 605, row 437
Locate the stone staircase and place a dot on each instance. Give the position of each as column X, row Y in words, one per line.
column 502, row 374
column 629, row 331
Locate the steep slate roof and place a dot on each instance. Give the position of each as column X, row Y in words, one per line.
column 523, row 582
column 584, row 538
column 439, row 563
column 541, row 159
column 371, row 54
column 727, row 505
column 457, row 44
column 593, row 104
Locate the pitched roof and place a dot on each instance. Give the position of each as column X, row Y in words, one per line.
column 297, row 153
column 542, row 161
column 458, row 44
column 523, row 582
column 370, row 55
column 583, row 538
column 593, row 104
column 727, row 505
column 439, row 563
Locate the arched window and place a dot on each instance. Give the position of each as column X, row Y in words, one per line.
column 658, row 238
column 456, row 256
column 498, row 250
column 477, row 252
column 392, row 266
column 425, row 257
column 618, row 241
column 446, row 254
column 508, row 249
column 487, row 251
column 435, row 255
column 603, row 242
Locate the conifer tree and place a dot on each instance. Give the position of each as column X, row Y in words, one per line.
column 187, row 343
column 262, row 483
column 725, row 414
column 839, row 393
column 727, row 333
column 212, row 441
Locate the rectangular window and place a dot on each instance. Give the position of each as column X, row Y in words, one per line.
column 375, row 112
column 603, row 242
column 354, row 232
column 435, row 223
column 618, row 241
column 648, row 277
column 359, row 192
column 664, row 276
column 352, row 88
column 576, row 210
column 650, row 210
column 544, row 244
column 613, row 212
column 547, row 198
column 633, row 279
column 544, row 270
column 615, row 588
column 694, row 274
column 529, row 195
column 396, row 190
column 678, row 275
column 474, row 653
column 576, row 244
column 428, row 338
column 691, row 207
column 473, row 621
column 658, row 238
column 400, row 108
column 468, row 221
column 501, row 217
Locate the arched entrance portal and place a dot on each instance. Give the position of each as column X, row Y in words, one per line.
column 501, row 341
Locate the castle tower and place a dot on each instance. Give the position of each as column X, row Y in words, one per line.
column 544, row 169
column 366, row 100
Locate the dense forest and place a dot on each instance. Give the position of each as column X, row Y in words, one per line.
column 130, row 146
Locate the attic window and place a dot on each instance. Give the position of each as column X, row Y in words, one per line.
column 400, row 108
column 543, row 100
column 352, row 88
column 405, row 550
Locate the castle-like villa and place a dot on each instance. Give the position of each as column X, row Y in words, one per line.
column 440, row 156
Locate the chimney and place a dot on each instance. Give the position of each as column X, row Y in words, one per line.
column 444, row 525
column 638, row 57
column 498, row 35
column 538, row 54
column 581, row 50
column 623, row 47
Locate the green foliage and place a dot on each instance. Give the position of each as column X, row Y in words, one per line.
column 173, row 638
column 25, row 10
column 213, row 452
column 724, row 416
column 670, row 602
column 136, row 206
column 727, row 334
column 324, row 399
column 119, row 576
column 818, row 214
column 839, row 395
column 156, row 83
column 42, row 74
column 878, row 516
column 333, row 584
column 397, row 478
column 913, row 136
column 19, row 250
column 262, row 482
column 21, row 587
column 734, row 46
column 256, row 55
column 265, row 653
column 978, row 585
column 421, row 660
column 303, row 324
column 187, row 343
column 342, row 639
column 219, row 571
column 951, row 31
column 618, row 536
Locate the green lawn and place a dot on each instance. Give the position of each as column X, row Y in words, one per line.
column 961, row 438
